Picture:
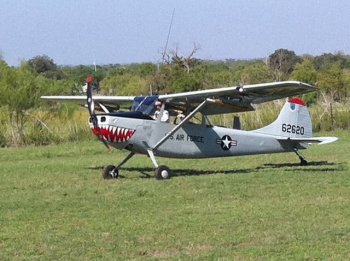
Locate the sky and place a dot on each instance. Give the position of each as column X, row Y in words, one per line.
column 74, row 32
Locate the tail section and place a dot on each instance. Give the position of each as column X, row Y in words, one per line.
column 293, row 121
column 294, row 124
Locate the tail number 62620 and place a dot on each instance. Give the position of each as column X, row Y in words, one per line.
column 292, row 129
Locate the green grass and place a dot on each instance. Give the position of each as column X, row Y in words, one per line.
column 55, row 206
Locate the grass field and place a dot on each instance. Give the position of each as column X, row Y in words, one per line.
column 56, row 206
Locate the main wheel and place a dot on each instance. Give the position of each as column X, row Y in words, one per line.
column 110, row 172
column 162, row 172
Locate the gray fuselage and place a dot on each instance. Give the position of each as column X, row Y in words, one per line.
column 190, row 140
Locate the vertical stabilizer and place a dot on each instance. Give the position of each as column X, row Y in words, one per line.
column 293, row 121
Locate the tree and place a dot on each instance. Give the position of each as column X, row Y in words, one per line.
column 18, row 94
column 305, row 72
column 186, row 62
column 257, row 73
column 281, row 62
column 217, row 79
column 143, row 69
column 331, row 81
column 184, row 82
column 159, row 81
column 126, row 84
column 42, row 64
column 326, row 58
column 217, row 66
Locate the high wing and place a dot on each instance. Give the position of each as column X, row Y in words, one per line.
column 223, row 100
column 235, row 98
column 113, row 103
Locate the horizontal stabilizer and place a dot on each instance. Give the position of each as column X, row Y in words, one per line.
column 319, row 140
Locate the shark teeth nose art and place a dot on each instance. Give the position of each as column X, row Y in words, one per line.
column 113, row 133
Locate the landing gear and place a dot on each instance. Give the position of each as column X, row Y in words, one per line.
column 162, row 172
column 110, row 172
column 303, row 161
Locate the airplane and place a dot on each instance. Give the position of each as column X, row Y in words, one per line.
column 137, row 131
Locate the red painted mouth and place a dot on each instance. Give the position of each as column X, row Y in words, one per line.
column 113, row 133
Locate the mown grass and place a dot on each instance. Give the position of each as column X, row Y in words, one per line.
column 56, row 206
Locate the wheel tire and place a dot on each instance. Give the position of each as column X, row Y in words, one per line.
column 162, row 172
column 110, row 172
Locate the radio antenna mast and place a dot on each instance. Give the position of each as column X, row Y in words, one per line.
column 167, row 39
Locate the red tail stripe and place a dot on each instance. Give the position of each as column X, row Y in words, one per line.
column 297, row 101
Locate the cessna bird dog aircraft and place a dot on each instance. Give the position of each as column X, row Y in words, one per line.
column 138, row 131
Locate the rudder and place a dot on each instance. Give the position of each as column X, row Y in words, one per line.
column 294, row 121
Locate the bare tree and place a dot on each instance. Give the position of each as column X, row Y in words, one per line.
column 172, row 56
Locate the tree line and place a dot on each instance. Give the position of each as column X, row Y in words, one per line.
column 22, row 86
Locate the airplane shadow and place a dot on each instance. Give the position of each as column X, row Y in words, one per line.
column 312, row 163
column 303, row 168
column 145, row 171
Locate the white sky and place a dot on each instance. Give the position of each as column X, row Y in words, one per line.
column 74, row 32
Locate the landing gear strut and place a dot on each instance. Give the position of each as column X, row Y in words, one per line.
column 110, row 171
column 303, row 161
column 161, row 171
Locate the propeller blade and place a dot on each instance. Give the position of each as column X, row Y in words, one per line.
column 91, row 108
column 90, row 101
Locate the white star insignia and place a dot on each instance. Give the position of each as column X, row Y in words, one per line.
column 226, row 142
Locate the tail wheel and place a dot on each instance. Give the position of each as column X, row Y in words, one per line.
column 303, row 162
column 110, row 172
column 162, row 172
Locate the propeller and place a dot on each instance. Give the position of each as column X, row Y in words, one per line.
column 91, row 108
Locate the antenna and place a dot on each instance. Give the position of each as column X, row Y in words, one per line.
column 167, row 39
column 94, row 65
column 94, row 62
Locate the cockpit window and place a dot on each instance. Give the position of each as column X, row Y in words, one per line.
column 144, row 104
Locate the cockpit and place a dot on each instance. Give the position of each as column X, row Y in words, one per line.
column 143, row 107
column 144, row 104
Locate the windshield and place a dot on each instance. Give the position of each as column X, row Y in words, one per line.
column 144, row 104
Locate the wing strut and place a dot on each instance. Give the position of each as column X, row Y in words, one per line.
column 186, row 119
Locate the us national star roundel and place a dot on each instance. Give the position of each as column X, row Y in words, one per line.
column 226, row 142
